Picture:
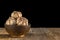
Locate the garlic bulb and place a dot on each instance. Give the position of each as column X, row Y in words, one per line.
column 16, row 14
column 10, row 21
column 22, row 21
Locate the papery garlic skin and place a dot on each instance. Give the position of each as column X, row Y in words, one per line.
column 10, row 21
column 22, row 21
column 16, row 14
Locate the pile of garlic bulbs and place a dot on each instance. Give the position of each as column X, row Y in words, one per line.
column 16, row 18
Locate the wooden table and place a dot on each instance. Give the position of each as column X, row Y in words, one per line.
column 34, row 34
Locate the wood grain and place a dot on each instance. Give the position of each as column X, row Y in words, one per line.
column 34, row 34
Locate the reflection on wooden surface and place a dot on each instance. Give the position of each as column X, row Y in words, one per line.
column 35, row 34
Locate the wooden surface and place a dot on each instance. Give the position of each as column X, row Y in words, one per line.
column 34, row 34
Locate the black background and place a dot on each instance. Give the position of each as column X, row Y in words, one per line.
column 39, row 13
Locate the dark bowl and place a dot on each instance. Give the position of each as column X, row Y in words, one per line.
column 17, row 31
